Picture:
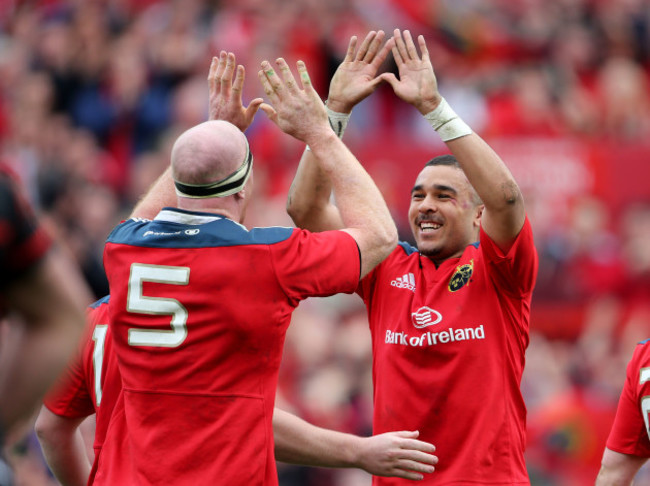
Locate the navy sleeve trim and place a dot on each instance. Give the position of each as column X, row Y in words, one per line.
column 103, row 300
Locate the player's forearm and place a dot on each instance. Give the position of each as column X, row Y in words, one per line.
column 486, row 172
column 63, row 448
column 308, row 202
column 51, row 302
column 160, row 194
column 618, row 469
column 492, row 181
column 299, row 442
column 362, row 207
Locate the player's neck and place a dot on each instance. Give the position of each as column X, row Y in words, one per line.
column 220, row 206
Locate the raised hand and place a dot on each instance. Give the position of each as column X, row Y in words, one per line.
column 417, row 83
column 225, row 98
column 356, row 77
column 297, row 111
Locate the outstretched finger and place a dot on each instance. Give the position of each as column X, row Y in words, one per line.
column 383, row 53
column 408, row 465
column 363, row 49
column 423, row 48
column 417, row 445
column 226, row 79
column 410, row 45
column 374, row 46
column 400, row 46
column 418, row 456
column 287, row 76
column 304, row 76
column 273, row 79
column 238, row 84
column 266, row 83
column 397, row 56
column 401, row 473
column 352, row 46
column 212, row 78
column 221, row 66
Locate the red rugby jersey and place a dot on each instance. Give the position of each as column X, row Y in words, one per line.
column 448, row 356
column 23, row 242
column 92, row 383
column 199, row 310
column 630, row 433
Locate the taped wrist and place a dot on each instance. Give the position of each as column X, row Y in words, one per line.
column 338, row 121
column 447, row 123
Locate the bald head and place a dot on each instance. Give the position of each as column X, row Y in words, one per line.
column 208, row 152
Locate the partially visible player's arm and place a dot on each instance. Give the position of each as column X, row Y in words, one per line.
column 395, row 454
column 225, row 103
column 160, row 194
column 63, row 447
column 504, row 213
column 50, row 300
column 301, row 113
column 618, row 469
column 309, row 203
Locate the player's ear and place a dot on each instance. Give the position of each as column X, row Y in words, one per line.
column 247, row 190
column 479, row 213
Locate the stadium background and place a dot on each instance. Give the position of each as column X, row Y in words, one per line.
column 93, row 93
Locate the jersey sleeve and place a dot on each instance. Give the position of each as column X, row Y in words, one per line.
column 317, row 264
column 23, row 242
column 629, row 434
column 515, row 271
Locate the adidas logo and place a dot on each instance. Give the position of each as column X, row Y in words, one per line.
column 407, row 281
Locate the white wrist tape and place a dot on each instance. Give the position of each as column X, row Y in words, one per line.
column 447, row 123
column 338, row 122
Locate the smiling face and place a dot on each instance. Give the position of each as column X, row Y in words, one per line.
column 444, row 213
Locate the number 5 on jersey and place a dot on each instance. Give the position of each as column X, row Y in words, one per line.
column 141, row 304
column 645, row 401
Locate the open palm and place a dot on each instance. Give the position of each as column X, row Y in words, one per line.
column 417, row 83
column 356, row 77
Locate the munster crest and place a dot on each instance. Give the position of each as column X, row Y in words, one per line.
column 461, row 276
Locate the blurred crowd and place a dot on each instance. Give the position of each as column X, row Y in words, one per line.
column 94, row 92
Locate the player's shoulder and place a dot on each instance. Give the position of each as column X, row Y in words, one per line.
column 271, row 235
column 642, row 352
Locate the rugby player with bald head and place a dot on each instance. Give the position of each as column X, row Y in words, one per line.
column 200, row 304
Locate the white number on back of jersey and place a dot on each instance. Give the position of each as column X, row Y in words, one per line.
column 138, row 303
column 645, row 401
column 99, row 336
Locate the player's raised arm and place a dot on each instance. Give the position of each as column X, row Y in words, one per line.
column 504, row 213
column 224, row 103
column 299, row 112
column 355, row 79
column 393, row 454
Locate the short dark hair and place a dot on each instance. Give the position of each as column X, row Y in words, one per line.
column 446, row 159
column 451, row 161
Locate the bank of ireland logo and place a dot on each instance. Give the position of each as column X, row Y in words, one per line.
column 461, row 276
column 425, row 316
